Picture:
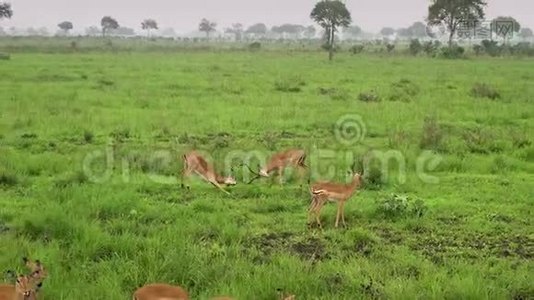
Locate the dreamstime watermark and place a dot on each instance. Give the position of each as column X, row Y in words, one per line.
column 475, row 29
column 163, row 165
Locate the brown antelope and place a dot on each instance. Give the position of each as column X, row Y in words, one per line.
column 321, row 192
column 160, row 291
column 280, row 161
column 24, row 289
column 195, row 163
column 37, row 272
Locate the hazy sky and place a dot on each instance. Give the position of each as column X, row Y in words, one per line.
column 184, row 15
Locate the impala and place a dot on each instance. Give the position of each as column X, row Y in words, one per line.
column 195, row 163
column 321, row 192
column 37, row 272
column 280, row 161
column 160, row 291
column 24, row 289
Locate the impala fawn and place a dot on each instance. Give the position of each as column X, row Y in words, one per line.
column 160, row 291
column 280, row 161
column 195, row 163
column 26, row 286
column 321, row 192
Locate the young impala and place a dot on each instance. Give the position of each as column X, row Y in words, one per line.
column 160, row 291
column 37, row 272
column 195, row 163
column 24, row 289
column 321, row 192
column 280, row 161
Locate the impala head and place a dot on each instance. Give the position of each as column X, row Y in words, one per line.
column 37, row 271
column 25, row 287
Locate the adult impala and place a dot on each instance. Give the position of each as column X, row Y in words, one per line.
column 195, row 163
column 280, row 161
column 322, row 192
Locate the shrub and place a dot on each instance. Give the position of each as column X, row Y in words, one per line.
column 431, row 48
column 404, row 90
column 373, row 177
column 390, row 48
column 88, row 136
column 7, row 179
column 484, row 90
column 491, row 47
column 415, row 47
column 396, row 206
column 5, row 56
column 432, row 136
column 254, row 46
column 370, row 96
column 290, row 84
column 357, row 49
column 452, row 52
column 478, row 49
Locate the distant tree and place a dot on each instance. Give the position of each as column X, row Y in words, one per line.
column 331, row 14
column 310, row 32
column 168, row 32
column 258, row 29
column 404, row 32
column 108, row 23
column 452, row 13
column 505, row 27
column 207, row 27
column 32, row 31
column 526, row 33
column 92, row 31
column 387, row 31
column 5, row 11
column 353, row 31
column 65, row 26
column 418, row 30
column 149, row 24
column 42, row 31
column 236, row 30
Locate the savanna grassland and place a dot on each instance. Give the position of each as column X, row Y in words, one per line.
column 470, row 235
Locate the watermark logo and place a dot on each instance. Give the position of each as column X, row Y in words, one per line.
column 475, row 29
column 350, row 130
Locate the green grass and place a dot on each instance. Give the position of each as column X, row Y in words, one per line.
column 474, row 239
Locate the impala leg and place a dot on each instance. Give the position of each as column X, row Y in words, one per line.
column 281, row 176
column 186, row 173
column 343, row 213
column 338, row 213
column 301, row 172
column 318, row 208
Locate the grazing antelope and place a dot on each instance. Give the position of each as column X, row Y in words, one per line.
column 321, row 192
column 280, row 161
column 160, row 291
column 24, row 289
column 195, row 163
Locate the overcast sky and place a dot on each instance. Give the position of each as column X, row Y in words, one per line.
column 184, row 15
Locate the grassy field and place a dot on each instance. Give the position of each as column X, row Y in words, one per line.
column 467, row 234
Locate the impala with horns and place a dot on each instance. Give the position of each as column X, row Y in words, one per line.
column 322, row 192
column 280, row 161
column 195, row 163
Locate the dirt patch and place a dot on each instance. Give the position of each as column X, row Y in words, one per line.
column 310, row 249
column 306, row 248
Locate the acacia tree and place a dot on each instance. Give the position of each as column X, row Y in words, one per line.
column 149, row 24
column 453, row 12
column 236, row 30
column 353, row 31
column 65, row 26
column 505, row 27
column 207, row 27
column 418, row 30
column 331, row 14
column 258, row 29
column 310, row 32
column 107, row 24
column 5, row 11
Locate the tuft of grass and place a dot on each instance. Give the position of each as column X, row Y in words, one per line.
column 484, row 90
column 403, row 90
column 432, row 136
column 369, row 96
column 292, row 84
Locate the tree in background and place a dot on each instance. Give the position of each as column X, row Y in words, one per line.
column 258, row 29
column 505, row 27
column 65, row 26
column 452, row 13
column 108, row 23
column 352, row 31
column 5, row 11
column 404, row 32
column 526, row 33
column 236, row 30
column 331, row 14
column 148, row 24
column 310, row 32
column 387, row 31
column 207, row 27
column 418, row 30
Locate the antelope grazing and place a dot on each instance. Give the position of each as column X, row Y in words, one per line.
column 280, row 161
column 195, row 163
column 160, row 291
column 321, row 192
column 25, row 288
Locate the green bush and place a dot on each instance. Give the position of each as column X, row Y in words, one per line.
column 415, row 47
column 484, row 90
column 399, row 206
column 452, row 52
column 357, row 49
column 290, row 84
